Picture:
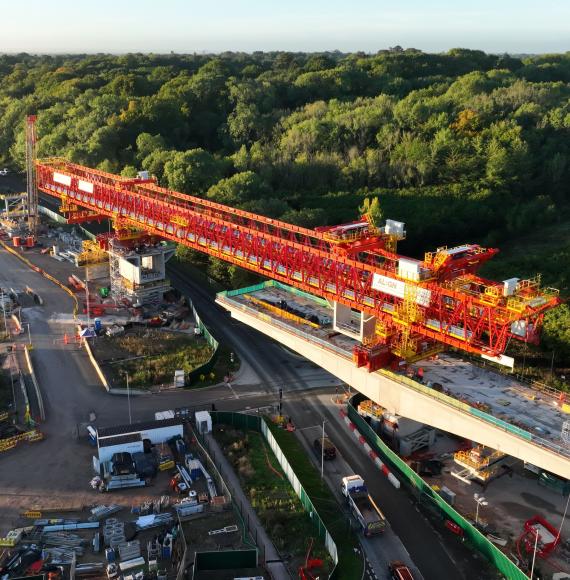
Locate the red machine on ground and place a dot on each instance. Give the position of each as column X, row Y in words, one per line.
column 416, row 306
column 541, row 534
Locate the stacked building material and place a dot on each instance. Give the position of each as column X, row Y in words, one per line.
column 129, row 550
column 113, row 532
column 153, row 521
column 102, row 511
column 61, row 547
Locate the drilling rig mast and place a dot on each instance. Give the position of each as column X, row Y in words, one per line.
column 32, row 189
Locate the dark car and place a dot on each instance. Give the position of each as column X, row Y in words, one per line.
column 324, row 443
column 399, row 571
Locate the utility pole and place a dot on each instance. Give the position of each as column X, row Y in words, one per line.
column 552, row 365
column 534, row 553
column 12, row 380
column 563, row 518
column 129, row 398
column 87, row 300
column 323, row 451
column 29, row 332
column 4, row 313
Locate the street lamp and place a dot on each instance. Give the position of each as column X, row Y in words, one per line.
column 129, row 398
column 479, row 500
column 534, row 553
column 323, row 451
column 6, row 329
column 563, row 518
column 87, row 301
column 125, row 374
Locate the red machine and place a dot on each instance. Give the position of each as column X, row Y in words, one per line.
column 540, row 533
column 418, row 306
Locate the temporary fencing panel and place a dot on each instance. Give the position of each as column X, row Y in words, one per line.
column 478, row 540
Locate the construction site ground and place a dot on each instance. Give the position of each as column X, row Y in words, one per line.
column 512, row 498
column 196, row 530
column 82, row 515
column 503, row 395
column 54, row 502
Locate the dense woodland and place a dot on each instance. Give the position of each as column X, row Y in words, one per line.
column 462, row 146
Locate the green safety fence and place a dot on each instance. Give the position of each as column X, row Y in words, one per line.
column 298, row 292
column 233, row 560
column 256, row 423
column 207, row 367
column 238, row 420
column 273, row 284
column 502, row 424
column 423, row 490
column 246, row 290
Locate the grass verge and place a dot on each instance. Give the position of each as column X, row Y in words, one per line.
column 271, row 495
column 349, row 563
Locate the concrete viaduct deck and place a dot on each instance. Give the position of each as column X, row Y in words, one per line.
column 408, row 398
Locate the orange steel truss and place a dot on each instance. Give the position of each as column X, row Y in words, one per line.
column 444, row 301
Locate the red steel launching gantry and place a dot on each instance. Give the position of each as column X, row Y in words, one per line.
column 412, row 306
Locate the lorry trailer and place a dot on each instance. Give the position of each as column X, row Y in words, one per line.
column 366, row 512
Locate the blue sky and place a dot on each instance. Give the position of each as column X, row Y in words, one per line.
column 304, row 25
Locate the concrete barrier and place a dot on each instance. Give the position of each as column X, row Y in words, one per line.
column 35, row 383
column 371, row 453
column 129, row 392
column 96, row 366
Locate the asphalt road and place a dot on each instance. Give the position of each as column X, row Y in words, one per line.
column 55, row 470
column 435, row 556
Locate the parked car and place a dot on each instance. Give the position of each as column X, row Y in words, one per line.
column 399, row 571
column 326, row 443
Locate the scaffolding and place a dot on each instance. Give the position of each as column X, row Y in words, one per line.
column 137, row 275
column 15, row 205
column 118, row 291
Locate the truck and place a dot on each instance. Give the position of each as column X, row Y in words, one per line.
column 362, row 506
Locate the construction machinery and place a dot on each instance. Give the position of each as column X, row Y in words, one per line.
column 409, row 309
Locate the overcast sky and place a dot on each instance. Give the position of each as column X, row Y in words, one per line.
column 515, row 26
